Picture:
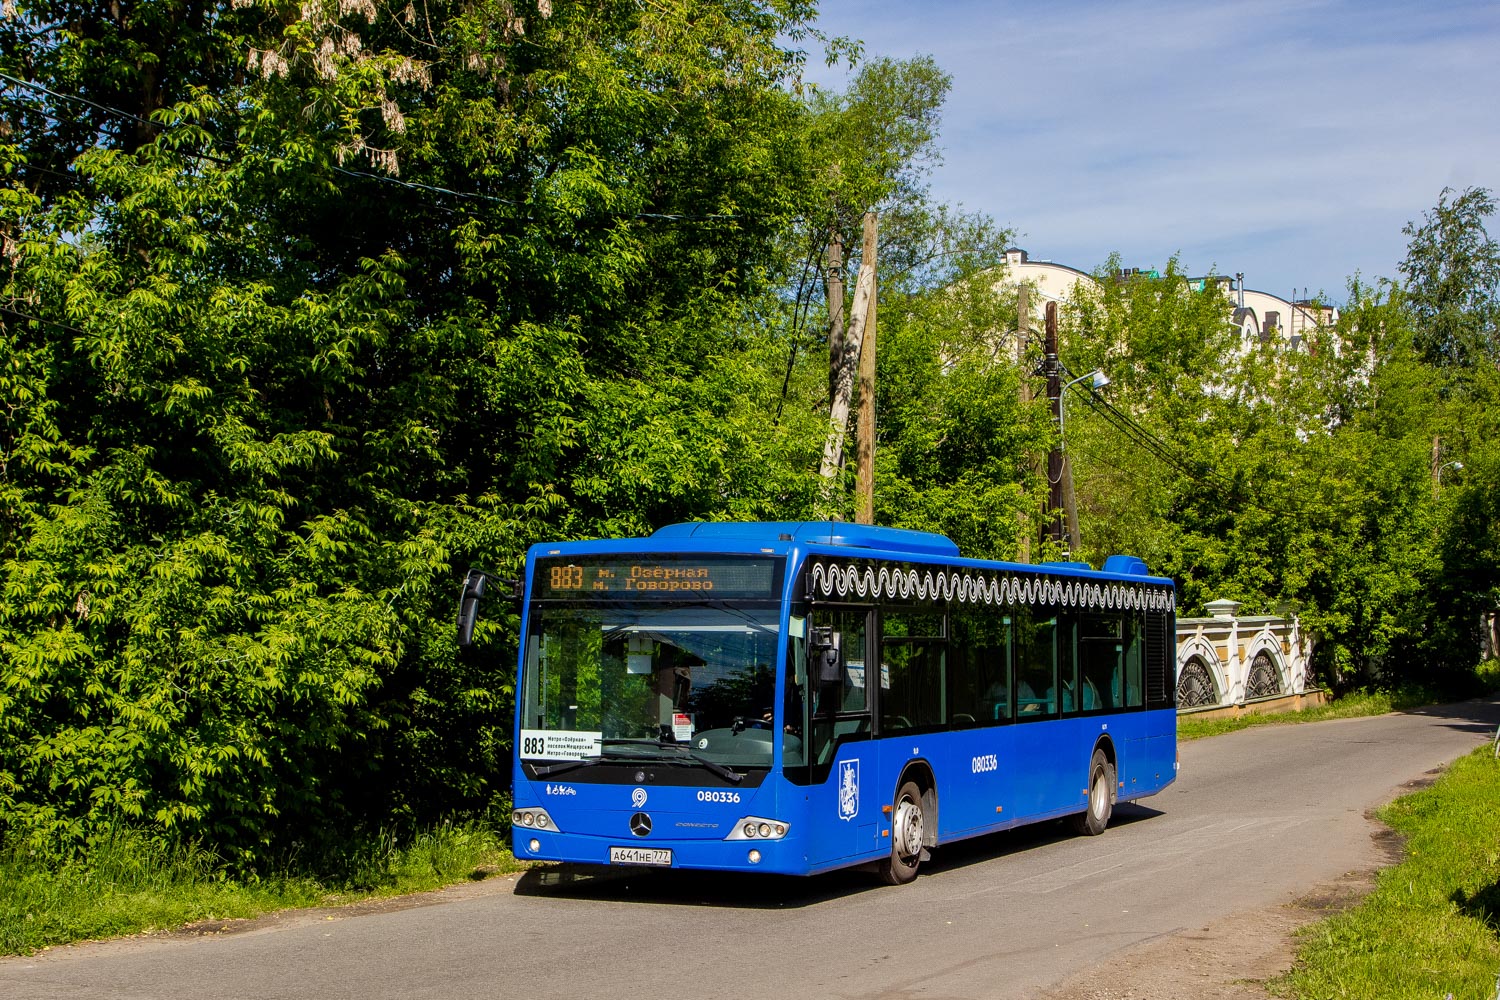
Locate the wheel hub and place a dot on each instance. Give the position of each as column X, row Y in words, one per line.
column 908, row 830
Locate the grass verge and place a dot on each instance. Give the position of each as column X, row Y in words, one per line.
column 129, row 883
column 1430, row 927
column 1350, row 706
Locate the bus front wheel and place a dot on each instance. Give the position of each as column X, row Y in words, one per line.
column 908, row 826
column 1092, row 821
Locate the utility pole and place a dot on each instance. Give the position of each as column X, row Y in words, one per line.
column 864, row 499
column 1070, row 502
column 838, row 415
column 1023, row 337
column 1436, row 465
column 1052, row 368
column 835, row 276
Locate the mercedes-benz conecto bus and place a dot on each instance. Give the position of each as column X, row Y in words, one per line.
column 799, row 697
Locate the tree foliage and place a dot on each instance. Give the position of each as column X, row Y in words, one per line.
column 307, row 308
column 1452, row 269
column 1327, row 479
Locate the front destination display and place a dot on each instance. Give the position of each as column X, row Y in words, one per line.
column 735, row 577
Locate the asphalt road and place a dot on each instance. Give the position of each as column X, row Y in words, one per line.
column 1257, row 817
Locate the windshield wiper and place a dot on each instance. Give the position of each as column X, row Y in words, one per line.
column 567, row 765
column 714, row 767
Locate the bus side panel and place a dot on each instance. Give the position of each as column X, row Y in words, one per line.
column 975, row 781
column 1149, row 757
column 1049, row 769
column 842, row 814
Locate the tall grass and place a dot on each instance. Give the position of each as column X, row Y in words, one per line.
column 1431, row 928
column 1487, row 676
column 127, row 882
column 1349, row 706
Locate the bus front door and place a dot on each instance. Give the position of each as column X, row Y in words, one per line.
column 844, row 804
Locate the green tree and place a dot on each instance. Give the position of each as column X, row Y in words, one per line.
column 307, row 309
column 1452, row 269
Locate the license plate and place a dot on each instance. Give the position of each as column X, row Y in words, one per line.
column 660, row 856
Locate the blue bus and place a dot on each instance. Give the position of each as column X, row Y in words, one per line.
column 799, row 697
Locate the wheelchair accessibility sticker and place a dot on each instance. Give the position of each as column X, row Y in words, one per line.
column 848, row 789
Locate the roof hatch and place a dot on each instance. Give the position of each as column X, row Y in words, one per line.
column 841, row 533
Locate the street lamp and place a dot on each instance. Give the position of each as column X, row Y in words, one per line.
column 1437, row 477
column 1099, row 381
column 1065, row 532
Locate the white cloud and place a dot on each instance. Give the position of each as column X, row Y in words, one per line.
column 1288, row 140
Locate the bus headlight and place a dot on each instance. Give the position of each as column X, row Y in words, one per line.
column 537, row 818
column 757, row 828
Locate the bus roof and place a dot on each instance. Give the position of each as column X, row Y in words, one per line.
column 840, row 533
column 782, row 536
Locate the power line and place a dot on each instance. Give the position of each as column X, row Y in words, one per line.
column 11, row 311
column 118, row 112
column 362, row 174
column 1198, row 472
column 512, row 203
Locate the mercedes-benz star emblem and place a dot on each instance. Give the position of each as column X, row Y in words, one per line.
column 640, row 824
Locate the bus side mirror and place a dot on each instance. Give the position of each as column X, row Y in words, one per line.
column 468, row 606
column 824, row 646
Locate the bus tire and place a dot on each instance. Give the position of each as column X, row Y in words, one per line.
column 1092, row 821
column 907, row 828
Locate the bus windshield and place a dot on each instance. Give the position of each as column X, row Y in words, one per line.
column 650, row 680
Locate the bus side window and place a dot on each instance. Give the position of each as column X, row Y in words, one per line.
column 913, row 648
column 1101, row 653
column 1134, row 690
column 979, row 667
column 1036, row 664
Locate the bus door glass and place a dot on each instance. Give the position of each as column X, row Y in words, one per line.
column 1044, row 778
column 843, row 804
column 913, row 700
column 980, row 668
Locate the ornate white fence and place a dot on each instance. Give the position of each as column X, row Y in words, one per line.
column 1227, row 660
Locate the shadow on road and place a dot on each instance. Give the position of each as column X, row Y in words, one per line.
column 1480, row 716
column 677, row 887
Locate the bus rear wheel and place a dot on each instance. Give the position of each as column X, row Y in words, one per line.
column 1092, row 821
column 908, row 827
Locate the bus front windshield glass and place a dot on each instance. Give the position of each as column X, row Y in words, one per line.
column 632, row 681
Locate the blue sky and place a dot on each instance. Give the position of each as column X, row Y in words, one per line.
column 1290, row 141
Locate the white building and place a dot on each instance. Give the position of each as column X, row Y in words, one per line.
column 1260, row 316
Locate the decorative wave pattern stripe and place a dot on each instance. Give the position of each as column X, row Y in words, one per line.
column 851, row 580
